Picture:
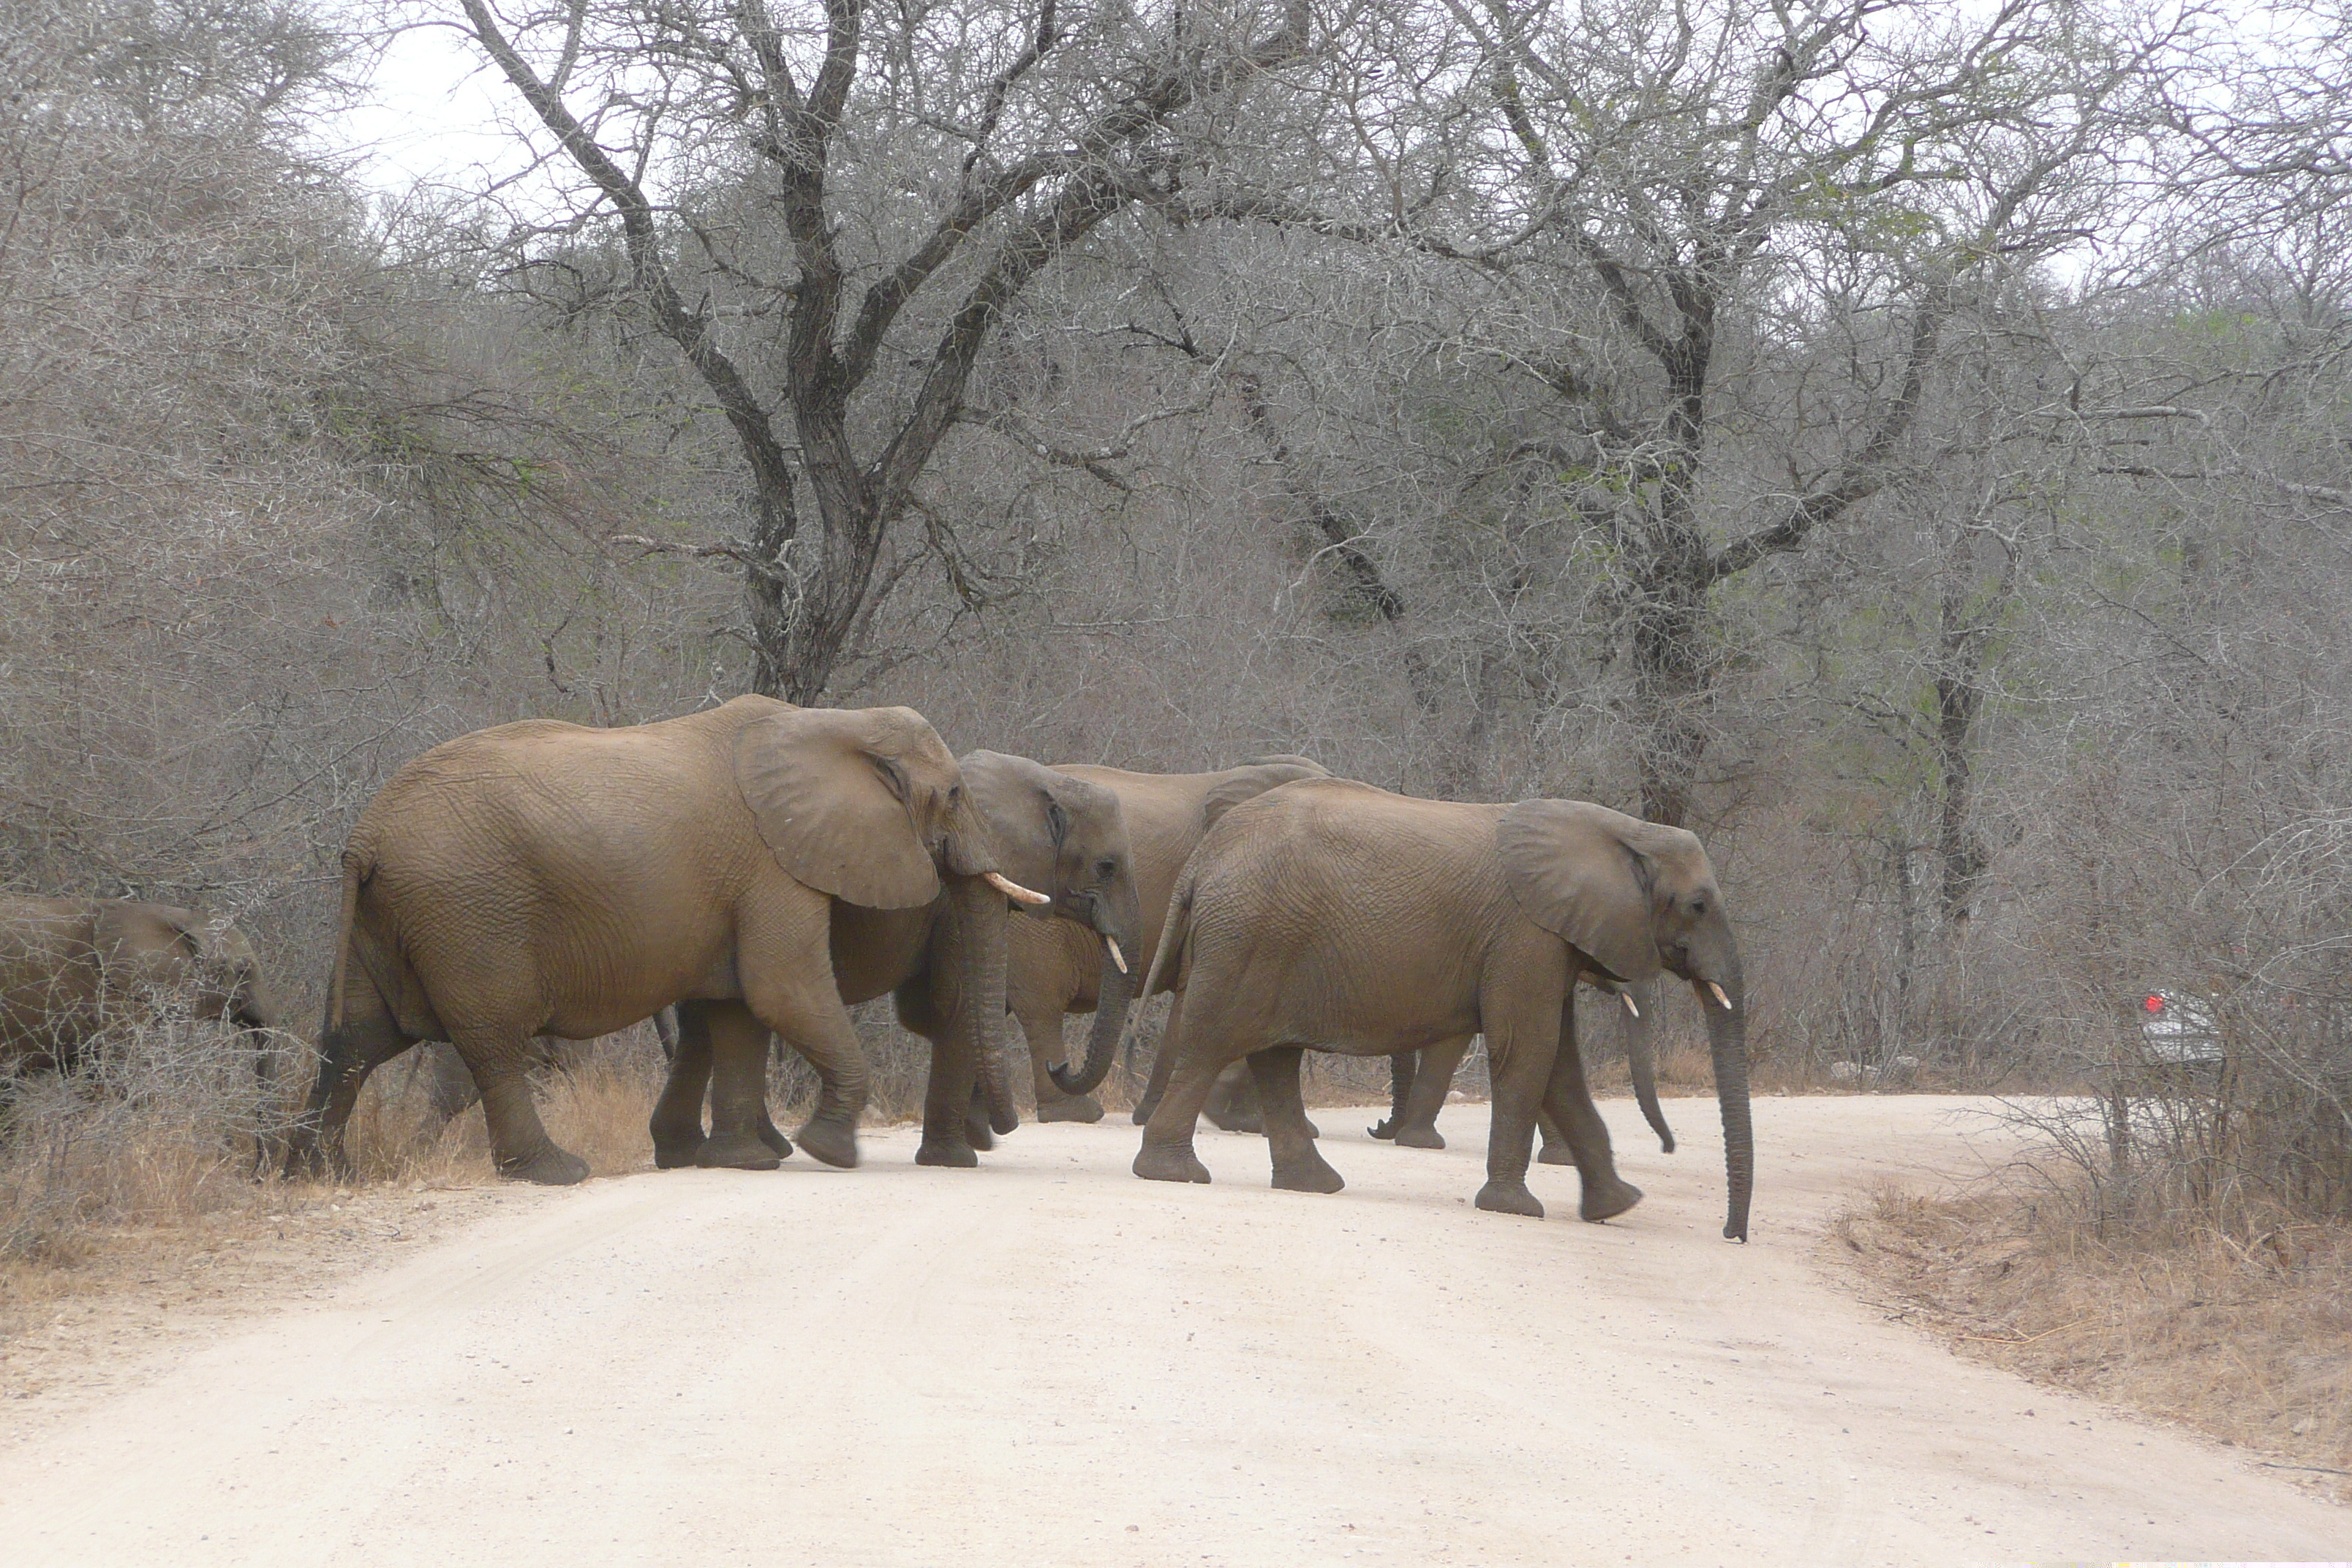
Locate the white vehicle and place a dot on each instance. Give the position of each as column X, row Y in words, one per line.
column 2176, row 1029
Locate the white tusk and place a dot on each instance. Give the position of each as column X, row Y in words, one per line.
column 1627, row 997
column 1719, row 996
column 1116, row 956
column 1014, row 891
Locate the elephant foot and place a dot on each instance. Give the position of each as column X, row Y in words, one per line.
column 774, row 1137
column 1605, row 1200
column 1385, row 1129
column 1237, row 1120
column 978, row 1133
column 1555, row 1154
column 1169, row 1163
column 1509, row 1197
column 952, row 1152
column 1312, row 1175
column 736, row 1152
column 831, row 1142
column 550, row 1167
column 1419, row 1138
column 1070, row 1108
column 675, row 1153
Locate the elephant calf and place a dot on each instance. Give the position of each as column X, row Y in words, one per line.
column 70, row 969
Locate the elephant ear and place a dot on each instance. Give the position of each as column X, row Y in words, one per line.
column 827, row 787
column 1584, row 872
column 1253, row 779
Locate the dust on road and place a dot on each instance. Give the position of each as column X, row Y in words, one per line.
column 1049, row 1362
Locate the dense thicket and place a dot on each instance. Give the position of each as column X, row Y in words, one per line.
column 1911, row 450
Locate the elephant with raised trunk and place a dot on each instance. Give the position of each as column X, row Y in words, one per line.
column 1051, row 831
column 1333, row 915
column 1053, row 970
column 547, row 879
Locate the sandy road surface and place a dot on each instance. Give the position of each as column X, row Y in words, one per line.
column 1051, row 1362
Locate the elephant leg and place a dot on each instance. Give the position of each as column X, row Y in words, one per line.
column 1043, row 1030
column 1522, row 1012
column 1555, row 1150
column 365, row 1040
column 1163, row 1061
column 501, row 1062
column 1432, row 1079
column 784, row 957
column 827, row 1041
column 1298, row 1167
column 1569, row 1101
column 1232, row 1104
column 1401, row 1075
column 677, row 1123
column 739, row 1090
column 1187, row 1066
column 449, row 1092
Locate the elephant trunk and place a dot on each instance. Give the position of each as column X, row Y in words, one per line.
column 1112, row 997
column 980, row 910
column 1642, row 1058
column 1727, row 1036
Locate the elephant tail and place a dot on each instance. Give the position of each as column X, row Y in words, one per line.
column 354, row 873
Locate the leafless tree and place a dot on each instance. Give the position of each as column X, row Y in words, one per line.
column 759, row 166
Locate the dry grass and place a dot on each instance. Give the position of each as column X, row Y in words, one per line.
column 2249, row 1341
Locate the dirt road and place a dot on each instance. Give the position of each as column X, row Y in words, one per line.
column 1048, row 1362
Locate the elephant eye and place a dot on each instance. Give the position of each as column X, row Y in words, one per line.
column 1105, row 870
column 1698, row 906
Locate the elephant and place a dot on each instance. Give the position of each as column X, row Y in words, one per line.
column 1333, row 914
column 549, row 879
column 1053, row 969
column 1418, row 1081
column 72, row 968
column 1052, row 831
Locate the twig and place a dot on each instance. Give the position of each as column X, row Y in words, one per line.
column 2028, row 1339
column 2321, row 1470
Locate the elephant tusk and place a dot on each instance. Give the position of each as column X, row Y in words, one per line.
column 1719, row 996
column 1116, row 956
column 1014, row 891
column 1627, row 997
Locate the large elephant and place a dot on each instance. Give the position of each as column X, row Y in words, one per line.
column 1053, row 970
column 1419, row 1082
column 547, row 879
column 1060, row 834
column 1336, row 915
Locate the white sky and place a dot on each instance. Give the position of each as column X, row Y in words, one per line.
column 432, row 111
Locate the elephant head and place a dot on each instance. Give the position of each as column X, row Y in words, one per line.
column 188, row 954
column 870, row 806
column 1634, row 898
column 1065, row 837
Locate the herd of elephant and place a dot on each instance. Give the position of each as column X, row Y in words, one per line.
column 757, row 869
